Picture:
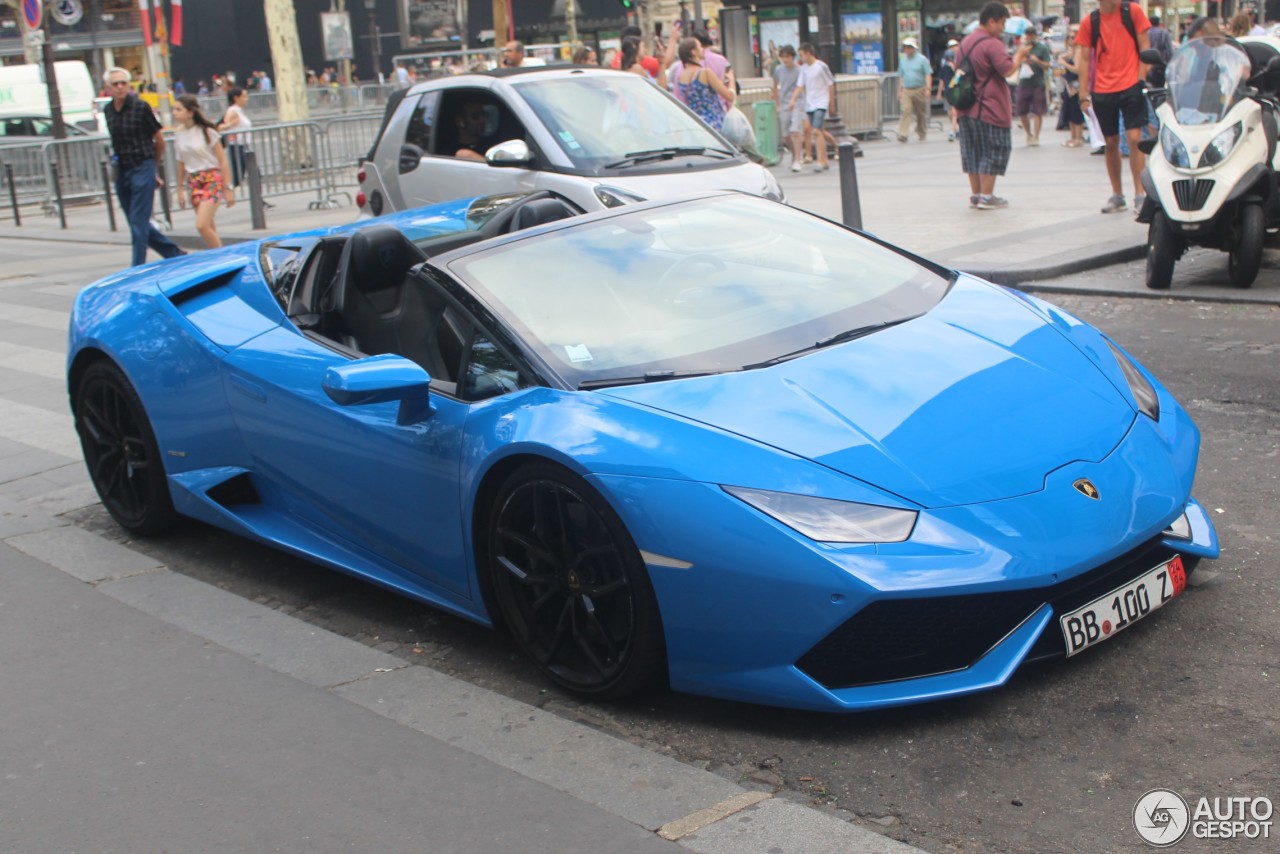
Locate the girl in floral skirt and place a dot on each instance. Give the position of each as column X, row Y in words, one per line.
column 202, row 166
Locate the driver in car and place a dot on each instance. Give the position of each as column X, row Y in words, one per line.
column 473, row 141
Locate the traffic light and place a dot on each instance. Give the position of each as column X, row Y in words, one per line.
column 629, row 5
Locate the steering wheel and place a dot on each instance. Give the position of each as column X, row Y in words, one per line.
column 688, row 274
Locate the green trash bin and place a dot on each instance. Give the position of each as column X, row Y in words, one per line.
column 767, row 132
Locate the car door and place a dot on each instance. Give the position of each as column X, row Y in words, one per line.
column 441, row 176
column 352, row 472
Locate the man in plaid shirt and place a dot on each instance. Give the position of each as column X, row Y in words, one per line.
column 137, row 141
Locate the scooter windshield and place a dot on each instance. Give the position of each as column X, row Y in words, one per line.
column 1206, row 78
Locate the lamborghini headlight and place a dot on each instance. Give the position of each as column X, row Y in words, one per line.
column 1143, row 392
column 1174, row 151
column 828, row 520
column 1221, row 146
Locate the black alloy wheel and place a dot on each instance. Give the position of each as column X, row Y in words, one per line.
column 120, row 451
column 1246, row 258
column 1163, row 249
column 571, row 586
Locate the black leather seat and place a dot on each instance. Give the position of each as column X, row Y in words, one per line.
column 540, row 212
column 379, row 307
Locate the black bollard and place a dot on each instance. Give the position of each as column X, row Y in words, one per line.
column 13, row 193
column 57, row 194
column 106, row 194
column 850, row 204
column 254, row 178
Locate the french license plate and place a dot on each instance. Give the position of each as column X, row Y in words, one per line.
column 1122, row 607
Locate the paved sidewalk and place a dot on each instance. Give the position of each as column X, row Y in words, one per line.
column 912, row 194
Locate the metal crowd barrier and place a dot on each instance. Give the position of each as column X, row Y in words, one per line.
column 262, row 106
column 347, row 140
column 860, row 103
column 890, row 105
column 25, row 165
column 79, row 165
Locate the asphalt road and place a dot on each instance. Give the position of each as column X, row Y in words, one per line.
column 1053, row 762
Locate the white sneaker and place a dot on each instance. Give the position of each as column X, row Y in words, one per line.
column 795, row 167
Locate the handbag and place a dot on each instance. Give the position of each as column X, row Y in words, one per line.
column 737, row 129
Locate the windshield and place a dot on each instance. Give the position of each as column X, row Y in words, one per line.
column 1206, row 78
column 714, row 285
column 600, row 120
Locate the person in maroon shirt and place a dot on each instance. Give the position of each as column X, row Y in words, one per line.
column 985, row 136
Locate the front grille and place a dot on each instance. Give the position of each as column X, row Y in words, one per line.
column 1192, row 193
column 895, row 639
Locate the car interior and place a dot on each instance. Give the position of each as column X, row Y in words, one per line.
column 501, row 124
column 362, row 295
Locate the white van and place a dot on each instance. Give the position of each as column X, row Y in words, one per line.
column 24, row 95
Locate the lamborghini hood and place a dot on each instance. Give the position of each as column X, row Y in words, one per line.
column 977, row 400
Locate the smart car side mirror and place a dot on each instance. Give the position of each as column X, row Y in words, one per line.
column 1151, row 56
column 513, row 152
column 381, row 379
column 410, row 157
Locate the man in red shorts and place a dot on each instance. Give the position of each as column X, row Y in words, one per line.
column 1111, row 62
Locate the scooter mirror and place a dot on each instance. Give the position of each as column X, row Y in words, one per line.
column 1151, row 56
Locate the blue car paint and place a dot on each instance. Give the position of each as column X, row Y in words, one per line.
column 348, row 488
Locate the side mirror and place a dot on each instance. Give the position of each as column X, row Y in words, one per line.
column 381, row 379
column 1151, row 56
column 410, row 157
column 513, row 152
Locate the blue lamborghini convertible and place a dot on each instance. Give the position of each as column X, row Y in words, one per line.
column 715, row 442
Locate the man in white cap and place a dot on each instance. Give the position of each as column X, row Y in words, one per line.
column 917, row 82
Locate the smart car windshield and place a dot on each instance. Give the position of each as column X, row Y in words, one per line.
column 719, row 284
column 1206, row 78
column 602, row 122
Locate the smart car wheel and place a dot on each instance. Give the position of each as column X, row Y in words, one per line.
column 571, row 586
column 120, row 451
column 1246, row 258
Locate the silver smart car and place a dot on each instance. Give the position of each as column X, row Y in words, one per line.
column 596, row 137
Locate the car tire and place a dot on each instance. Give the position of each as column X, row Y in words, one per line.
column 1163, row 249
column 570, row 585
column 1246, row 258
column 120, row 451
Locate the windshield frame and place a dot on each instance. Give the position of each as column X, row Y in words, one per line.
column 694, row 133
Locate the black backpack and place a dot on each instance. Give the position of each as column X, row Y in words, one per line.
column 1095, row 23
column 962, row 92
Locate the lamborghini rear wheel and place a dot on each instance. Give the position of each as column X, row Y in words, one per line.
column 571, row 586
column 120, row 451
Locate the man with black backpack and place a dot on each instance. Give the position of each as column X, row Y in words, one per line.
column 1108, row 43
column 986, row 115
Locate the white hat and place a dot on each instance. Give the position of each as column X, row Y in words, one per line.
column 910, row 43
column 952, row 43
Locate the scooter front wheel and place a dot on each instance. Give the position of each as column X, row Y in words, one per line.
column 1163, row 249
column 1245, row 260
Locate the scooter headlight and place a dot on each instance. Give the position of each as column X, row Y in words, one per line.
column 1221, row 145
column 1174, row 151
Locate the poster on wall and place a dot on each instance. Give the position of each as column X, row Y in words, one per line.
column 430, row 23
column 773, row 35
column 909, row 22
column 338, row 43
column 862, row 43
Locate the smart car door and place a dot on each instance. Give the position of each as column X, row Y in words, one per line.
column 442, row 175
